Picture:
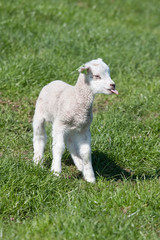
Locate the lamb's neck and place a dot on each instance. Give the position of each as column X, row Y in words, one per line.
column 84, row 94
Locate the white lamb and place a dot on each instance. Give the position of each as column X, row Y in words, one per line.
column 69, row 109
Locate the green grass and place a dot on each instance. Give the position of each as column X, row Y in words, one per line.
column 45, row 40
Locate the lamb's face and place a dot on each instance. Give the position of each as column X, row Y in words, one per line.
column 98, row 76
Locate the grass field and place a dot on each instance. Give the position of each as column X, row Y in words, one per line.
column 41, row 41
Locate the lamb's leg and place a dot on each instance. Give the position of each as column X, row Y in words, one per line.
column 73, row 148
column 85, row 153
column 39, row 138
column 77, row 161
column 58, row 148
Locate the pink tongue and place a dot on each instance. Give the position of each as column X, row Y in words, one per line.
column 114, row 91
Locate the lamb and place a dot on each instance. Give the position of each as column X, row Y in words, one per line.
column 69, row 109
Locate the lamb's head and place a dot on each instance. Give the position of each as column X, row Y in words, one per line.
column 97, row 76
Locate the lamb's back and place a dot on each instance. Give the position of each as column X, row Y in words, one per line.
column 48, row 100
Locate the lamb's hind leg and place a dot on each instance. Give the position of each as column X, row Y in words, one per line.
column 85, row 153
column 39, row 138
column 79, row 146
column 73, row 148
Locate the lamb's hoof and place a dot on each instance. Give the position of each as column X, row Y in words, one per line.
column 38, row 162
column 91, row 180
column 57, row 174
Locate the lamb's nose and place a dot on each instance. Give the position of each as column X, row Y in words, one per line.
column 113, row 85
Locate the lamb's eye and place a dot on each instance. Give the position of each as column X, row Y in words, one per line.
column 97, row 76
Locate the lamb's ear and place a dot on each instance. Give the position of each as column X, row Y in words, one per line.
column 85, row 70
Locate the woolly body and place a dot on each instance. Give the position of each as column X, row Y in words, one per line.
column 75, row 112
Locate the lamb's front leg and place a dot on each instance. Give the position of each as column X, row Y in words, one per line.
column 85, row 153
column 58, row 147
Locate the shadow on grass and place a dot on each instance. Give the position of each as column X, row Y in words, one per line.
column 106, row 167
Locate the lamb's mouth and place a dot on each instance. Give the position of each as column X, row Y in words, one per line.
column 113, row 91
